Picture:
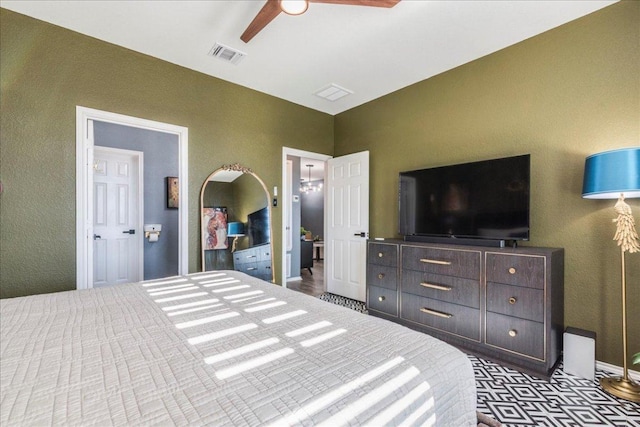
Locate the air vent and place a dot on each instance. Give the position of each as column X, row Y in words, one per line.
column 226, row 53
column 333, row 92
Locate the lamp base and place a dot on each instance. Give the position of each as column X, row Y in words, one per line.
column 622, row 388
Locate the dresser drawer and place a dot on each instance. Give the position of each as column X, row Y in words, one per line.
column 245, row 256
column 264, row 270
column 250, row 268
column 519, row 270
column 383, row 254
column 453, row 318
column 526, row 303
column 443, row 288
column 264, row 253
column 450, row 262
column 383, row 300
column 382, row 276
column 518, row 335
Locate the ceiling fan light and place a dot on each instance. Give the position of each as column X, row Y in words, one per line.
column 294, row 7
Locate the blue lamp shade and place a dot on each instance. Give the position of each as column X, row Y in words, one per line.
column 611, row 173
column 235, row 229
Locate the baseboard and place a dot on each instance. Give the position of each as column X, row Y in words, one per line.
column 294, row 279
column 616, row 370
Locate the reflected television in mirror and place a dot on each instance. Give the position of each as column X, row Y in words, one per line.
column 258, row 227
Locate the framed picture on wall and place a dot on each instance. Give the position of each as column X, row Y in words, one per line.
column 173, row 192
column 214, row 228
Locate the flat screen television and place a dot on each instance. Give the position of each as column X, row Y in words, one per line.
column 486, row 200
column 258, row 227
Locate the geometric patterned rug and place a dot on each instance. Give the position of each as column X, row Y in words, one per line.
column 358, row 306
column 516, row 399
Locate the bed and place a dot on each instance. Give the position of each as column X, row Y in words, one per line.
column 220, row 348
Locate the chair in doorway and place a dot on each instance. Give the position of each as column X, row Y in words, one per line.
column 306, row 255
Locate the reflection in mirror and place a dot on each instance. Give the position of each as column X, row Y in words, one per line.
column 236, row 223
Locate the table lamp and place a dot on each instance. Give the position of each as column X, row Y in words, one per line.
column 235, row 230
column 616, row 175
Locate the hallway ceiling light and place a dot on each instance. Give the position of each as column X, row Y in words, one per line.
column 308, row 187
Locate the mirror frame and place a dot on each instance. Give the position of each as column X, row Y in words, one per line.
column 237, row 167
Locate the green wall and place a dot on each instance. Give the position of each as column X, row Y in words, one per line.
column 560, row 96
column 46, row 71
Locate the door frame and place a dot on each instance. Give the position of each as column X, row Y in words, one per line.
column 286, row 151
column 139, row 220
column 84, row 191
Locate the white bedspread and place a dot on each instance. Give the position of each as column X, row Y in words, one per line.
column 220, row 348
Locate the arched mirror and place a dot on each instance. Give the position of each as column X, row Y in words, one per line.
column 235, row 223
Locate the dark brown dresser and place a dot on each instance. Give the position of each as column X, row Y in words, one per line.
column 504, row 304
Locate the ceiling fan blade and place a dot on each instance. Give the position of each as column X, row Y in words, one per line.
column 374, row 3
column 269, row 11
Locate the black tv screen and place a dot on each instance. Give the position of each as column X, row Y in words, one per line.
column 485, row 200
column 258, row 227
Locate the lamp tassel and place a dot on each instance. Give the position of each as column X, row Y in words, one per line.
column 626, row 234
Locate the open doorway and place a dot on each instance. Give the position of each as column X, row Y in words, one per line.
column 346, row 220
column 303, row 204
column 93, row 130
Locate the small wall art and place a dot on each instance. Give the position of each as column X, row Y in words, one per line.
column 173, row 192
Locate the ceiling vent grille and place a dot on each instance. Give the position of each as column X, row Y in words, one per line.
column 332, row 92
column 226, row 53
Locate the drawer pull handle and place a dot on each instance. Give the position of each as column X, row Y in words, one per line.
column 380, row 275
column 512, row 270
column 381, row 298
column 513, row 333
column 435, row 261
column 380, row 254
column 512, row 300
column 251, row 268
column 252, row 256
column 436, row 313
column 434, row 286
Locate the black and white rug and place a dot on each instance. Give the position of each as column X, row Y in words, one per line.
column 516, row 399
column 358, row 306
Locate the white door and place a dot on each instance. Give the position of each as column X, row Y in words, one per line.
column 117, row 216
column 347, row 225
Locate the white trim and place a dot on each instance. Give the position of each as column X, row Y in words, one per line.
column 616, row 370
column 84, row 154
column 286, row 151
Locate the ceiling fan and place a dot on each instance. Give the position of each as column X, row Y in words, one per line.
column 272, row 8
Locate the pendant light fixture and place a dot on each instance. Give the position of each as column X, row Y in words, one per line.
column 308, row 187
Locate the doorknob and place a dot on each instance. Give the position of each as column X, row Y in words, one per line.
column 132, row 231
column 363, row 234
column 96, row 237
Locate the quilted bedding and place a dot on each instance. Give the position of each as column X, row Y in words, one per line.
column 220, row 348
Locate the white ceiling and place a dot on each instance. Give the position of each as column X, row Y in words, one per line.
column 370, row 51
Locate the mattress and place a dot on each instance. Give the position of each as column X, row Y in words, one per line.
column 220, row 348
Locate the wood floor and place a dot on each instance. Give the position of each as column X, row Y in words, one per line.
column 311, row 284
